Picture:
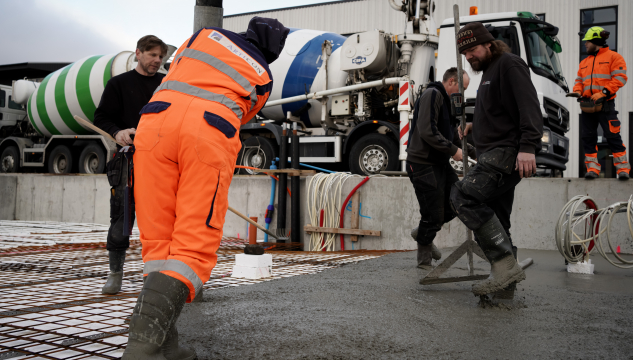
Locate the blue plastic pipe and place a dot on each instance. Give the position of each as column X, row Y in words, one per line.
column 271, row 206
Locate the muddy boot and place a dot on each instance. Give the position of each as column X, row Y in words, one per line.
column 158, row 306
column 497, row 247
column 425, row 257
column 115, row 278
column 435, row 252
column 508, row 292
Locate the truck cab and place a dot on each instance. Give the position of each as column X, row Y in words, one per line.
column 535, row 42
column 10, row 111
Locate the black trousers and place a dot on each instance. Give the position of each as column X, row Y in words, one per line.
column 608, row 120
column 483, row 193
column 118, row 175
column 432, row 185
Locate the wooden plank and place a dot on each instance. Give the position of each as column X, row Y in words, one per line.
column 310, row 229
column 90, row 126
column 355, row 213
column 430, row 281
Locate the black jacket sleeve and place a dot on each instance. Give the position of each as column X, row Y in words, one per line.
column 110, row 109
column 426, row 127
column 472, row 153
column 530, row 117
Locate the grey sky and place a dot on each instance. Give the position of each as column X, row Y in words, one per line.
column 67, row 30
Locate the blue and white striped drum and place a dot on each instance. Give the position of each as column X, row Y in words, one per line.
column 299, row 70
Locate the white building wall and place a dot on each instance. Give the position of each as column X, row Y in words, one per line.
column 363, row 15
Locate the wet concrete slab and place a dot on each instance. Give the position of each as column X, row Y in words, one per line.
column 377, row 309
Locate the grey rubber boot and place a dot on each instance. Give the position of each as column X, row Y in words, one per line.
column 497, row 247
column 153, row 334
column 435, row 252
column 115, row 278
column 507, row 293
column 425, row 257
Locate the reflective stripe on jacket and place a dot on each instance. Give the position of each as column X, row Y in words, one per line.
column 222, row 67
column 605, row 70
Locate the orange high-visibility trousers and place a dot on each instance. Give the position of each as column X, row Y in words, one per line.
column 183, row 169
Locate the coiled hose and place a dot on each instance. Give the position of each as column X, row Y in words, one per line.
column 582, row 210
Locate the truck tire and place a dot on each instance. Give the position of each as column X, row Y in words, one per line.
column 60, row 160
column 372, row 154
column 92, row 159
column 10, row 160
column 258, row 152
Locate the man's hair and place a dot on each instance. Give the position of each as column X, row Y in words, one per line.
column 148, row 42
column 497, row 48
column 452, row 74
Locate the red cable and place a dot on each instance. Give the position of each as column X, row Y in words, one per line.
column 343, row 209
column 321, row 225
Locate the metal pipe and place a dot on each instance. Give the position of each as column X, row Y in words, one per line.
column 318, row 94
column 283, row 180
column 417, row 10
column 393, row 5
column 460, row 81
column 295, row 199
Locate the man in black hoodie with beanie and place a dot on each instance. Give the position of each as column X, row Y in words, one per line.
column 433, row 140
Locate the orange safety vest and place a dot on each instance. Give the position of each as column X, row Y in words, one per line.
column 222, row 67
column 605, row 70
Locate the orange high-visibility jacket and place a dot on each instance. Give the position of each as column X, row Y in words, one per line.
column 222, row 67
column 605, row 70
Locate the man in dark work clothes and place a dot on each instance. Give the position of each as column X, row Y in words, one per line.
column 118, row 114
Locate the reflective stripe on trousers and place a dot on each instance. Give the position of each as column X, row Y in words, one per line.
column 176, row 266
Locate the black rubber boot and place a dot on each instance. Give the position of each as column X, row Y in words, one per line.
column 623, row 176
column 590, row 175
column 115, row 278
column 425, row 257
column 508, row 292
column 436, row 254
column 505, row 270
column 153, row 333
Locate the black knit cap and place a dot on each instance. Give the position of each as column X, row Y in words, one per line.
column 472, row 35
column 269, row 35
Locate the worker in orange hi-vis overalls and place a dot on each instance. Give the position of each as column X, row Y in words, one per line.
column 600, row 76
column 186, row 143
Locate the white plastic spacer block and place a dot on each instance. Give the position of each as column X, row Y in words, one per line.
column 252, row 272
column 254, row 261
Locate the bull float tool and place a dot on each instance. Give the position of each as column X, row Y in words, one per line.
column 469, row 246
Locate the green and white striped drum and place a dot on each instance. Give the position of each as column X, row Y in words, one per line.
column 74, row 90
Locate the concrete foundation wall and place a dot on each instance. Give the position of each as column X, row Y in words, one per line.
column 387, row 204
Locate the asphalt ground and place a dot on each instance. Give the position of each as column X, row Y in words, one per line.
column 376, row 309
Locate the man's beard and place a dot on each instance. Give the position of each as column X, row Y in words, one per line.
column 480, row 65
column 148, row 69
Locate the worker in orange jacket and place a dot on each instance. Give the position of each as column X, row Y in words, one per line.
column 186, row 143
column 600, row 76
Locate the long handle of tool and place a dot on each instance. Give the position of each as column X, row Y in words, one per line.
column 252, row 222
column 90, row 126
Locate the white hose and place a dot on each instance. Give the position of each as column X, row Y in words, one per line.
column 597, row 224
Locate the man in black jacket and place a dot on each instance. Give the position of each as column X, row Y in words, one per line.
column 507, row 130
column 118, row 114
column 433, row 140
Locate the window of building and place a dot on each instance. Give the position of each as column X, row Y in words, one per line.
column 3, row 96
column 541, row 16
column 607, row 18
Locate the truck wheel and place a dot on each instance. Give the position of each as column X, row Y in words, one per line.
column 60, row 161
column 258, row 152
column 92, row 160
column 372, row 154
column 10, row 160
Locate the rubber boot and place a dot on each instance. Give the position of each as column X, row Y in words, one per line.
column 590, row 175
column 153, row 334
column 495, row 243
column 508, row 292
column 115, row 278
column 435, row 252
column 425, row 257
column 623, row 176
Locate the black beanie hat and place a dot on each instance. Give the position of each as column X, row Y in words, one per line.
column 269, row 35
column 472, row 35
column 599, row 42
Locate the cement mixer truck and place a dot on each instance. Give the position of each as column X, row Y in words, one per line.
column 42, row 134
column 351, row 97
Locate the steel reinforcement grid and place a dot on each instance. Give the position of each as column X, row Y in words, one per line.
column 51, row 274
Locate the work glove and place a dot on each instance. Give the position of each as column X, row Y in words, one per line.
column 597, row 96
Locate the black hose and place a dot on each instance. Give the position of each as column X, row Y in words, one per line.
column 295, row 208
column 283, row 182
